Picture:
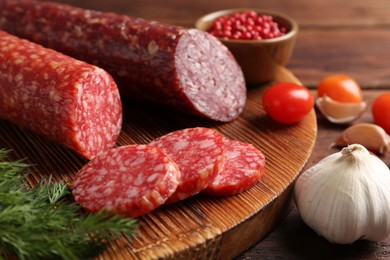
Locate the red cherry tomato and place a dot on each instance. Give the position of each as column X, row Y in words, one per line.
column 287, row 102
column 340, row 88
column 381, row 111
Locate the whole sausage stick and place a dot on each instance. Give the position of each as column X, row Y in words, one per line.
column 68, row 101
column 185, row 69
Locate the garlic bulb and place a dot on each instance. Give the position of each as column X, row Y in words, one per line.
column 346, row 196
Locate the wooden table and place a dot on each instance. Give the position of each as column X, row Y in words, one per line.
column 351, row 37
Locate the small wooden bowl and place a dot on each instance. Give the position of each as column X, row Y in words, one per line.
column 259, row 59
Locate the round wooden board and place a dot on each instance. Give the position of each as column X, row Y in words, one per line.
column 202, row 226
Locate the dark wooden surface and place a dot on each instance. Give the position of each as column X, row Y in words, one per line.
column 350, row 36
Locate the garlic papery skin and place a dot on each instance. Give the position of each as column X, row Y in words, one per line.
column 371, row 136
column 346, row 196
column 340, row 112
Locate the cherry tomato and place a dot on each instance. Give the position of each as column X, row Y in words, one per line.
column 381, row 111
column 341, row 88
column 287, row 102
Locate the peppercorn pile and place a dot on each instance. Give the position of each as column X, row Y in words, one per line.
column 247, row 25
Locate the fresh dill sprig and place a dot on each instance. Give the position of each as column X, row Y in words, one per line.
column 43, row 223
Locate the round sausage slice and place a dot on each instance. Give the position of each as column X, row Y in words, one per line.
column 130, row 180
column 243, row 167
column 199, row 154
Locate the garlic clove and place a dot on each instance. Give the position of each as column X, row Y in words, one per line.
column 346, row 196
column 371, row 136
column 340, row 112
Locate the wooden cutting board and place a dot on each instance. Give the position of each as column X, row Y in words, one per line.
column 203, row 226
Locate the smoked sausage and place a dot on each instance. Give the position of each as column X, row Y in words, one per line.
column 166, row 65
column 65, row 100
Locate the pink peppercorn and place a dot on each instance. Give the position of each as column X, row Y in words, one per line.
column 247, row 25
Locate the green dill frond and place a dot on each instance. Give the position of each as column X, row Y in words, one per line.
column 43, row 223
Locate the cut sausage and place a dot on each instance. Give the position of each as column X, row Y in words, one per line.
column 199, row 154
column 243, row 167
column 68, row 101
column 185, row 69
column 130, row 180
